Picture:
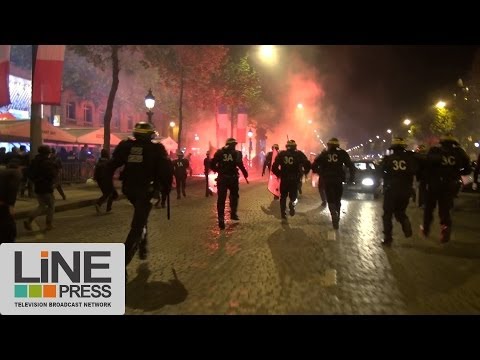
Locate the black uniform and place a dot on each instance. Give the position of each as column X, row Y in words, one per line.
column 101, row 177
column 225, row 162
column 444, row 165
column 330, row 164
column 268, row 162
column 146, row 170
column 421, row 177
column 398, row 171
column 321, row 183
column 206, row 171
column 180, row 167
column 289, row 165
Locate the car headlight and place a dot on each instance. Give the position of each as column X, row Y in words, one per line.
column 367, row 182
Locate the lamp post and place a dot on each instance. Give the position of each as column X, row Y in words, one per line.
column 250, row 134
column 150, row 103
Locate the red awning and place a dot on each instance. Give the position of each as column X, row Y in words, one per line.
column 7, row 116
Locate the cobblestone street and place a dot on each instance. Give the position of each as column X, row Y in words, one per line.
column 260, row 265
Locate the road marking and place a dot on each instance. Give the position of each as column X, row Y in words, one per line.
column 329, row 278
column 332, row 235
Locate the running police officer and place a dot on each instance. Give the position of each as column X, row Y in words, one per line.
column 180, row 167
column 225, row 162
column 444, row 165
column 330, row 164
column 289, row 165
column 398, row 170
column 146, row 170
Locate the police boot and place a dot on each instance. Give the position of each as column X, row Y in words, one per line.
column 234, row 217
column 142, row 248
column 335, row 219
column 221, row 224
column 291, row 206
column 407, row 228
column 445, row 234
column 425, row 231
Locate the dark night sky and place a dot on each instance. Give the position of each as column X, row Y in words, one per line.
column 375, row 87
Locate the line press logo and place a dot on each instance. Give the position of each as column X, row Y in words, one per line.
column 62, row 279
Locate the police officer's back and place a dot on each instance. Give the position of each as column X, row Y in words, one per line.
column 330, row 164
column 444, row 165
column 289, row 166
column 398, row 170
column 226, row 163
column 146, row 169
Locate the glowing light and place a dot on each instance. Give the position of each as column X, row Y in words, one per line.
column 172, row 124
column 441, row 104
column 250, row 133
column 197, row 137
column 407, row 122
column 389, row 131
column 299, row 106
column 310, row 121
column 267, row 53
column 476, row 144
column 150, row 100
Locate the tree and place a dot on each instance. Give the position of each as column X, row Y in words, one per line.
column 101, row 56
column 444, row 121
column 239, row 85
column 188, row 71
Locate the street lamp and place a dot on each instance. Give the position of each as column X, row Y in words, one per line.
column 172, row 124
column 441, row 104
column 407, row 122
column 267, row 53
column 196, row 137
column 250, row 134
column 150, row 103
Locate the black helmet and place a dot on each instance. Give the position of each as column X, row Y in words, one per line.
column 333, row 141
column 143, row 130
column 231, row 141
column 291, row 144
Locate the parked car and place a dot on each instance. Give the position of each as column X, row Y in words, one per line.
column 368, row 178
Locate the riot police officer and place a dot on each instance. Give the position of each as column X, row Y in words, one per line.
column 398, row 170
column 146, row 170
column 225, row 162
column 330, row 164
column 180, row 167
column 289, row 165
column 444, row 165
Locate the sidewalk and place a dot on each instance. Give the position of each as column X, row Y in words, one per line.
column 78, row 196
